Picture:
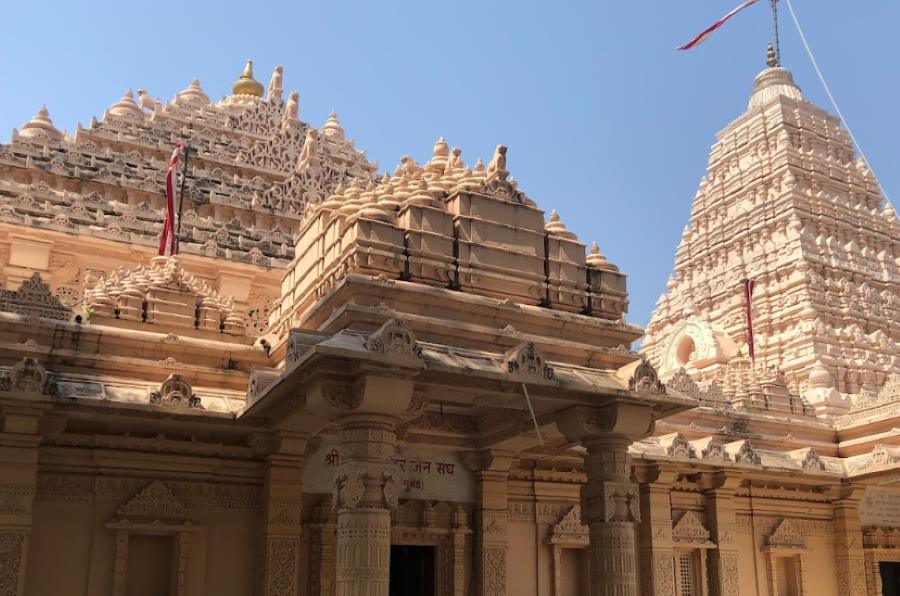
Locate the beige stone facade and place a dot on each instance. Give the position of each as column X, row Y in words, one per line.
column 413, row 383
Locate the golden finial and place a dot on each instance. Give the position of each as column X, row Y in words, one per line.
column 247, row 85
column 771, row 57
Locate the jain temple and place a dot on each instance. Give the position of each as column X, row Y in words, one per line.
column 420, row 383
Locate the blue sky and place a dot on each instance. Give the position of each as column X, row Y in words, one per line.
column 605, row 121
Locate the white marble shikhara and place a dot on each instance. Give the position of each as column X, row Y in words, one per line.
column 787, row 204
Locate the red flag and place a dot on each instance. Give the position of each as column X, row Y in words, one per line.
column 703, row 36
column 748, row 301
column 167, row 241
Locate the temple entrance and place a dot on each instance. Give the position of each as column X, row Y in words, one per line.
column 890, row 578
column 412, row 570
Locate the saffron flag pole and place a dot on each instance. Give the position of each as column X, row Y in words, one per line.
column 712, row 28
column 748, row 301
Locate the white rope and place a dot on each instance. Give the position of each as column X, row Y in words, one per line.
column 537, row 428
column 831, row 98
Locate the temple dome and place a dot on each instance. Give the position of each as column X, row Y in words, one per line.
column 126, row 107
column 246, row 84
column 772, row 82
column 332, row 127
column 41, row 127
column 193, row 94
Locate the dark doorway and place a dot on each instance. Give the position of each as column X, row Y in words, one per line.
column 890, row 578
column 412, row 570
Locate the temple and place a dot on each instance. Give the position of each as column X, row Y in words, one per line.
column 360, row 383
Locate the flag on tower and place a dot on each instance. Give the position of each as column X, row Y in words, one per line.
column 167, row 240
column 748, row 303
column 709, row 31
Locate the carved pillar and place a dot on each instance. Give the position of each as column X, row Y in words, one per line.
column 460, row 531
column 283, row 501
column 656, row 547
column 722, row 523
column 491, row 516
column 609, row 501
column 365, row 492
column 321, row 549
column 849, row 556
column 18, row 476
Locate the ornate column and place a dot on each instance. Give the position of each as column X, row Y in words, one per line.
column 365, row 492
column 282, row 503
column 365, row 397
column 610, row 504
column 491, row 468
column 19, row 441
column 849, row 556
column 721, row 520
column 656, row 547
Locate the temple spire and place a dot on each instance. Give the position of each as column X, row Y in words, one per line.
column 774, row 57
column 771, row 57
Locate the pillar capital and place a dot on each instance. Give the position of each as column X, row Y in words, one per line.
column 489, row 460
column 616, row 421
column 373, row 391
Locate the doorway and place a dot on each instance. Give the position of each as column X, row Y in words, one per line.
column 412, row 570
column 890, row 578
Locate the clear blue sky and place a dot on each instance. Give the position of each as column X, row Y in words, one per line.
column 605, row 121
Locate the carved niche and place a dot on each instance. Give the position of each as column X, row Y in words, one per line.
column 786, row 541
column 154, row 510
column 527, row 360
column 569, row 532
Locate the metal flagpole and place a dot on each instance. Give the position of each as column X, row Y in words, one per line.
column 777, row 40
column 184, row 175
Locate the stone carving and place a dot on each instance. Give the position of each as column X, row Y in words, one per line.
column 495, row 571
column 12, row 547
column 812, row 461
column 34, row 299
column 569, row 530
column 787, row 535
column 690, row 529
column 154, row 501
column 344, row 396
column 884, row 455
column 528, row 361
column 175, row 391
column 164, row 294
column 888, row 394
column 29, row 376
column 746, row 455
column 714, row 449
column 348, row 488
column 282, row 561
column 645, row 380
column 680, row 447
column 394, row 337
column 620, row 502
column 682, row 383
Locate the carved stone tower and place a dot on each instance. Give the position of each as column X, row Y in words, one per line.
column 786, row 205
